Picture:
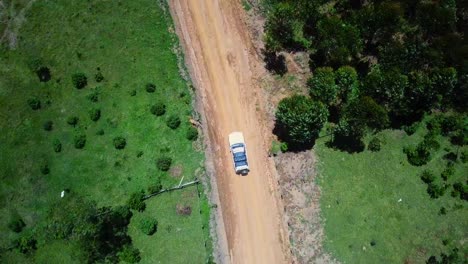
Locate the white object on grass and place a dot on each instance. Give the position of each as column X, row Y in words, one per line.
column 62, row 194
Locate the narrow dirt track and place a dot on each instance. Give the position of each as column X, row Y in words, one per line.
column 221, row 64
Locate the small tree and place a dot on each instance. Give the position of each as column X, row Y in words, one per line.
column 148, row 226
column 129, row 254
column 136, row 201
column 150, row 88
column 48, row 125
column 299, row 120
column 375, row 144
column 72, row 120
column 26, row 244
column 45, row 169
column 322, row 86
column 57, row 145
column 43, row 73
column 79, row 80
column 192, row 133
column 427, row 176
column 173, row 121
column 16, row 224
column 158, row 109
column 34, row 103
column 347, row 81
column 164, row 163
column 99, row 77
column 93, row 96
column 95, row 114
column 80, row 141
column 120, row 142
column 448, row 171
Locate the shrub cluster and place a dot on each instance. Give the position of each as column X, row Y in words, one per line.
column 98, row 76
column 129, row 254
column 57, row 145
column 16, row 224
column 375, row 144
column 164, row 163
column 48, row 125
column 79, row 80
column 72, row 120
column 79, row 141
column 45, row 169
column 150, row 88
column 34, row 103
column 120, row 142
column 173, row 121
column 136, row 201
column 148, row 226
column 95, row 114
column 43, row 73
column 192, row 133
column 158, row 109
column 25, row 244
column 421, row 154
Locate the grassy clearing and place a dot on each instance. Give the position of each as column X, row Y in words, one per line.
column 360, row 204
column 130, row 43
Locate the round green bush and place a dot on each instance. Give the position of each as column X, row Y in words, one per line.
column 57, row 145
column 99, row 77
column 95, row 114
column 164, row 163
column 16, row 224
column 45, row 169
column 284, row 147
column 72, row 120
column 148, row 226
column 427, row 176
column 150, row 88
column 34, row 103
column 173, row 121
column 375, row 144
column 43, row 73
column 80, row 141
column 48, row 125
column 100, row 132
column 158, row 109
column 120, row 143
column 136, row 201
column 79, row 80
column 192, row 133
column 129, row 254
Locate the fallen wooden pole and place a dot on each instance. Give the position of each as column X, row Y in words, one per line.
column 171, row 189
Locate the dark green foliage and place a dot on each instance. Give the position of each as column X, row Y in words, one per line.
column 418, row 156
column 48, row 125
column 464, row 156
column 375, row 144
column 299, row 120
column 444, row 81
column 435, row 191
column 72, row 120
column 57, row 145
column 43, row 73
column 347, row 136
column 148, row 226
column 386, row 87
column 411, row 129
column 442, row 211
column 139, row 154
column 79, row 141
column 284, row 147
column 129, row 254
column 25, row 244
column 163, row 163
column 448, row 171
column 158, row 109
column 136, row 201
column 34, row 103
column 367, row 112
column 346, row 79
column 427, row 176
column 460, row 190
column 45, row 169
column 338, row 40
column 100, row 132
column 16, row 224
column 150, row 88
column 99, row 77
column 173, row 121
column 95, row 114
column 279, row 28
column 79, row 80
column 192, row 133
column 322, row 86
column 101, row 232
column 132, row 92
column 275, row 63
column 156, row 187
column 93, row 96
column 119, row 142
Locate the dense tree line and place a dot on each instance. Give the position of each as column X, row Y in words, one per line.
column 375, row 64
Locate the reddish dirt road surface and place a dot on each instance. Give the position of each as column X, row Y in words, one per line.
column 222, row 65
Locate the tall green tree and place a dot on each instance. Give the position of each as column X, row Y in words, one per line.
column 299, row 120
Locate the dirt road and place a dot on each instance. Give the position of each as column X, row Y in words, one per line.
column 221, row 64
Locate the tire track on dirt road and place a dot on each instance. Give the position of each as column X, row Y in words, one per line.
column 222, row 65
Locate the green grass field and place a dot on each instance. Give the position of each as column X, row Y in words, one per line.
column 132, row 43
column 360, row 204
